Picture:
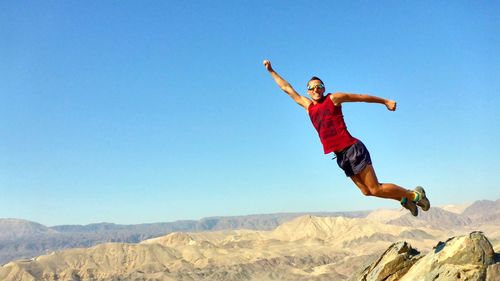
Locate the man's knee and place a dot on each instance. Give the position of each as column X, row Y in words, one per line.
column 374, row 190
column 366, row 192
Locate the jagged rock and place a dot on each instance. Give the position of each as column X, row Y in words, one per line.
column 468, row 257
column 392, row 264
column 460, row 258
column 493, row 272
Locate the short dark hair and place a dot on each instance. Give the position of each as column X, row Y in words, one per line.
column 315, row 78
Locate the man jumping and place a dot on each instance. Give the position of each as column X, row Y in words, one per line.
column 352, row 155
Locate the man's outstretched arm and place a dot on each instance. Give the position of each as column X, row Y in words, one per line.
column 339, row 98
column 286, row 87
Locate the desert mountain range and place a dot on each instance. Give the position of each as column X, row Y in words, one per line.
column 24, row 239
column 298, row 247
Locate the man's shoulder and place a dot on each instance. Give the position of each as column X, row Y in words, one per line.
column 336, row 99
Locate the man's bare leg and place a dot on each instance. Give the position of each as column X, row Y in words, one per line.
column 368, row 183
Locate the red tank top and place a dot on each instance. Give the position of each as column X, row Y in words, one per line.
column 329, row 122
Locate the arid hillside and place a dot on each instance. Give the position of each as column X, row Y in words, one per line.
column 306, row 248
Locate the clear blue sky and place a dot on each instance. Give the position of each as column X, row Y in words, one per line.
column 151, row 111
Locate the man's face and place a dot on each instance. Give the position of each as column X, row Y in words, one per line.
column 315, row 90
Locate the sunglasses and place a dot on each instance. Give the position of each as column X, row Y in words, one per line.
column 319, row 86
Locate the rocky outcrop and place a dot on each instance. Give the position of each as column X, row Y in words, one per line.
column 392, row 264
column 468, row 257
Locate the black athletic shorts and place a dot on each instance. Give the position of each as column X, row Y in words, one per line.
column 353, row 159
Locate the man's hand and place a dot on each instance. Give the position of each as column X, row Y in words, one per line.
column 268, row 66
column 391, row 105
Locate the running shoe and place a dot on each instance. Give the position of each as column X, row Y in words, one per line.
column 423, row 202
